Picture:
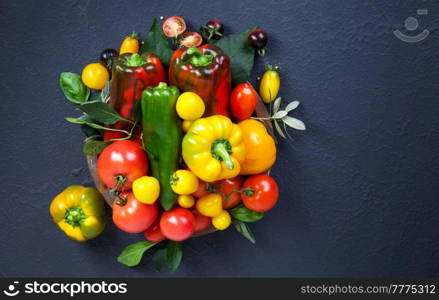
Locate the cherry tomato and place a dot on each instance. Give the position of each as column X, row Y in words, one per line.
column 186, row 201
column 146, row 189
column 210, row 205
column 107, row 55
column 174, row 26
column 190, row 39
column 270, row 84
column 201, row 222
column 202, row 189
column 265, row 193
column 243, row 101
column 226, row 186
column 121, row 163
column 258, row 39
column 130, row 44
column 190, row 106
column 95, row 76
column 131, row 215
column 222, row 221
column 153, row 233
column 214, row 29
column 177, row 224
column 184, row 182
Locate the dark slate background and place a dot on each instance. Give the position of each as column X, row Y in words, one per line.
column 360, row 192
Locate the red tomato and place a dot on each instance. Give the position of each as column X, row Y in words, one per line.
column 133, row 216
column 123, row 162
column 177, row 224
column 201, row 222
column 190, row 39
column 153, row 233
column 226, row 186
column 243, row 101
column 201, row 191
column 174, row 26
column 265, row 193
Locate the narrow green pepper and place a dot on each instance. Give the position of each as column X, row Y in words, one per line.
column 162, row 136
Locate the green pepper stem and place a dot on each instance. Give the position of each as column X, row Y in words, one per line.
column 221, row 150
column 197, row 58
column 74, row 216
column 134, row 60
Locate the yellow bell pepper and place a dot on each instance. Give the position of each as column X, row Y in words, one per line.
column 79, row 211
column 213, row 148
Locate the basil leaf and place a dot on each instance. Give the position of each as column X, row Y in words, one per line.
column 101, row 112
column 159, row 259
column 73, row 88
column 132, row 254
column 243, row 229
column 156, row 42
column 90, row 124
column 244, row 214
column 241, row 54
column 94, row 147
column 174, row 254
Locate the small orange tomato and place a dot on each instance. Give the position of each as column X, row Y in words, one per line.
column 130, row 44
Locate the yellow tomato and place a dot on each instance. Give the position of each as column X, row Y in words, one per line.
column 185, row 125
column 184, row 182
column 210, row 205
column 222, row 221
column 270, row 84
column 130, row 44
column 146, row 189
column 186, row 201
column 190, row 106
column 95, row 76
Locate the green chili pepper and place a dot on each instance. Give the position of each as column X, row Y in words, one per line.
column 162, row 136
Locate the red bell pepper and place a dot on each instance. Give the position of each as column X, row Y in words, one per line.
column 131, row 73
column 205, row 71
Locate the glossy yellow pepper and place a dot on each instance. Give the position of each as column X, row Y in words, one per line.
column 79, row 211
column 213, row 148
column 261, row 149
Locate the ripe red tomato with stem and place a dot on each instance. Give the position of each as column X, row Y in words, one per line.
column 131, row 215
column 260, row 193
column 243, row 101
column 120, row 164
column 230, row 191
column 153, row 233
column 177, row 224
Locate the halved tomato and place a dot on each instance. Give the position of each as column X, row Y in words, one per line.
column 190, row 39
column 174, row 26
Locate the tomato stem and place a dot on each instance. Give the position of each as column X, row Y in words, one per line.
column 120, row 181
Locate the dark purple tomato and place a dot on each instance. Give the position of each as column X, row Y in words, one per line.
column 214, row 29
column 258, row 38
column 108, row 54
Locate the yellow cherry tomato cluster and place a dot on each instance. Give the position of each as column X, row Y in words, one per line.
column 211, row 205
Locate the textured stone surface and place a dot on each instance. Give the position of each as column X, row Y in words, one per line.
column 359, row 189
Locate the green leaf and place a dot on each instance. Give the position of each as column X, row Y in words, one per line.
column 174, row 254
column 242, row 55
column 132, row 254
column 159, row 259
column 242, row 213
column 243, row 229
column 90, row 124
column 93, row 147
column 156, row 42
column 101, row 112
column 73, row 88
